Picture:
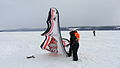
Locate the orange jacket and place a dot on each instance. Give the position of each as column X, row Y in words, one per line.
column 77, row 36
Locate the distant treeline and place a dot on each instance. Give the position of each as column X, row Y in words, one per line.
column 97, row 27
column 80, row 28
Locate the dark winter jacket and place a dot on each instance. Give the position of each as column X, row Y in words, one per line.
column 73, row 39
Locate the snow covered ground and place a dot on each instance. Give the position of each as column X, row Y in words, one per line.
column 102, row 51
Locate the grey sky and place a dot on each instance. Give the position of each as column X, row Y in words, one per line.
column 33, row 13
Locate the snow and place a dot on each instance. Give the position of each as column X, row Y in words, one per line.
column 102, row 51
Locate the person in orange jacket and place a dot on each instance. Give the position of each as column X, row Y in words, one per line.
column 74, row 44
column 77, row 35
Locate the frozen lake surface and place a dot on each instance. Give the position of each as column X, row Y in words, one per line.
column 102, row 51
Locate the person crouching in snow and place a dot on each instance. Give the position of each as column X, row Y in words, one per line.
column 74, row 45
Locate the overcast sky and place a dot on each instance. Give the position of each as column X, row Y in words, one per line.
column 33, row 13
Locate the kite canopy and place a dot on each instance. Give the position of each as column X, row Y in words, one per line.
column 53, row 39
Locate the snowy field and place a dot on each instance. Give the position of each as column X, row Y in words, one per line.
column 102, row 51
